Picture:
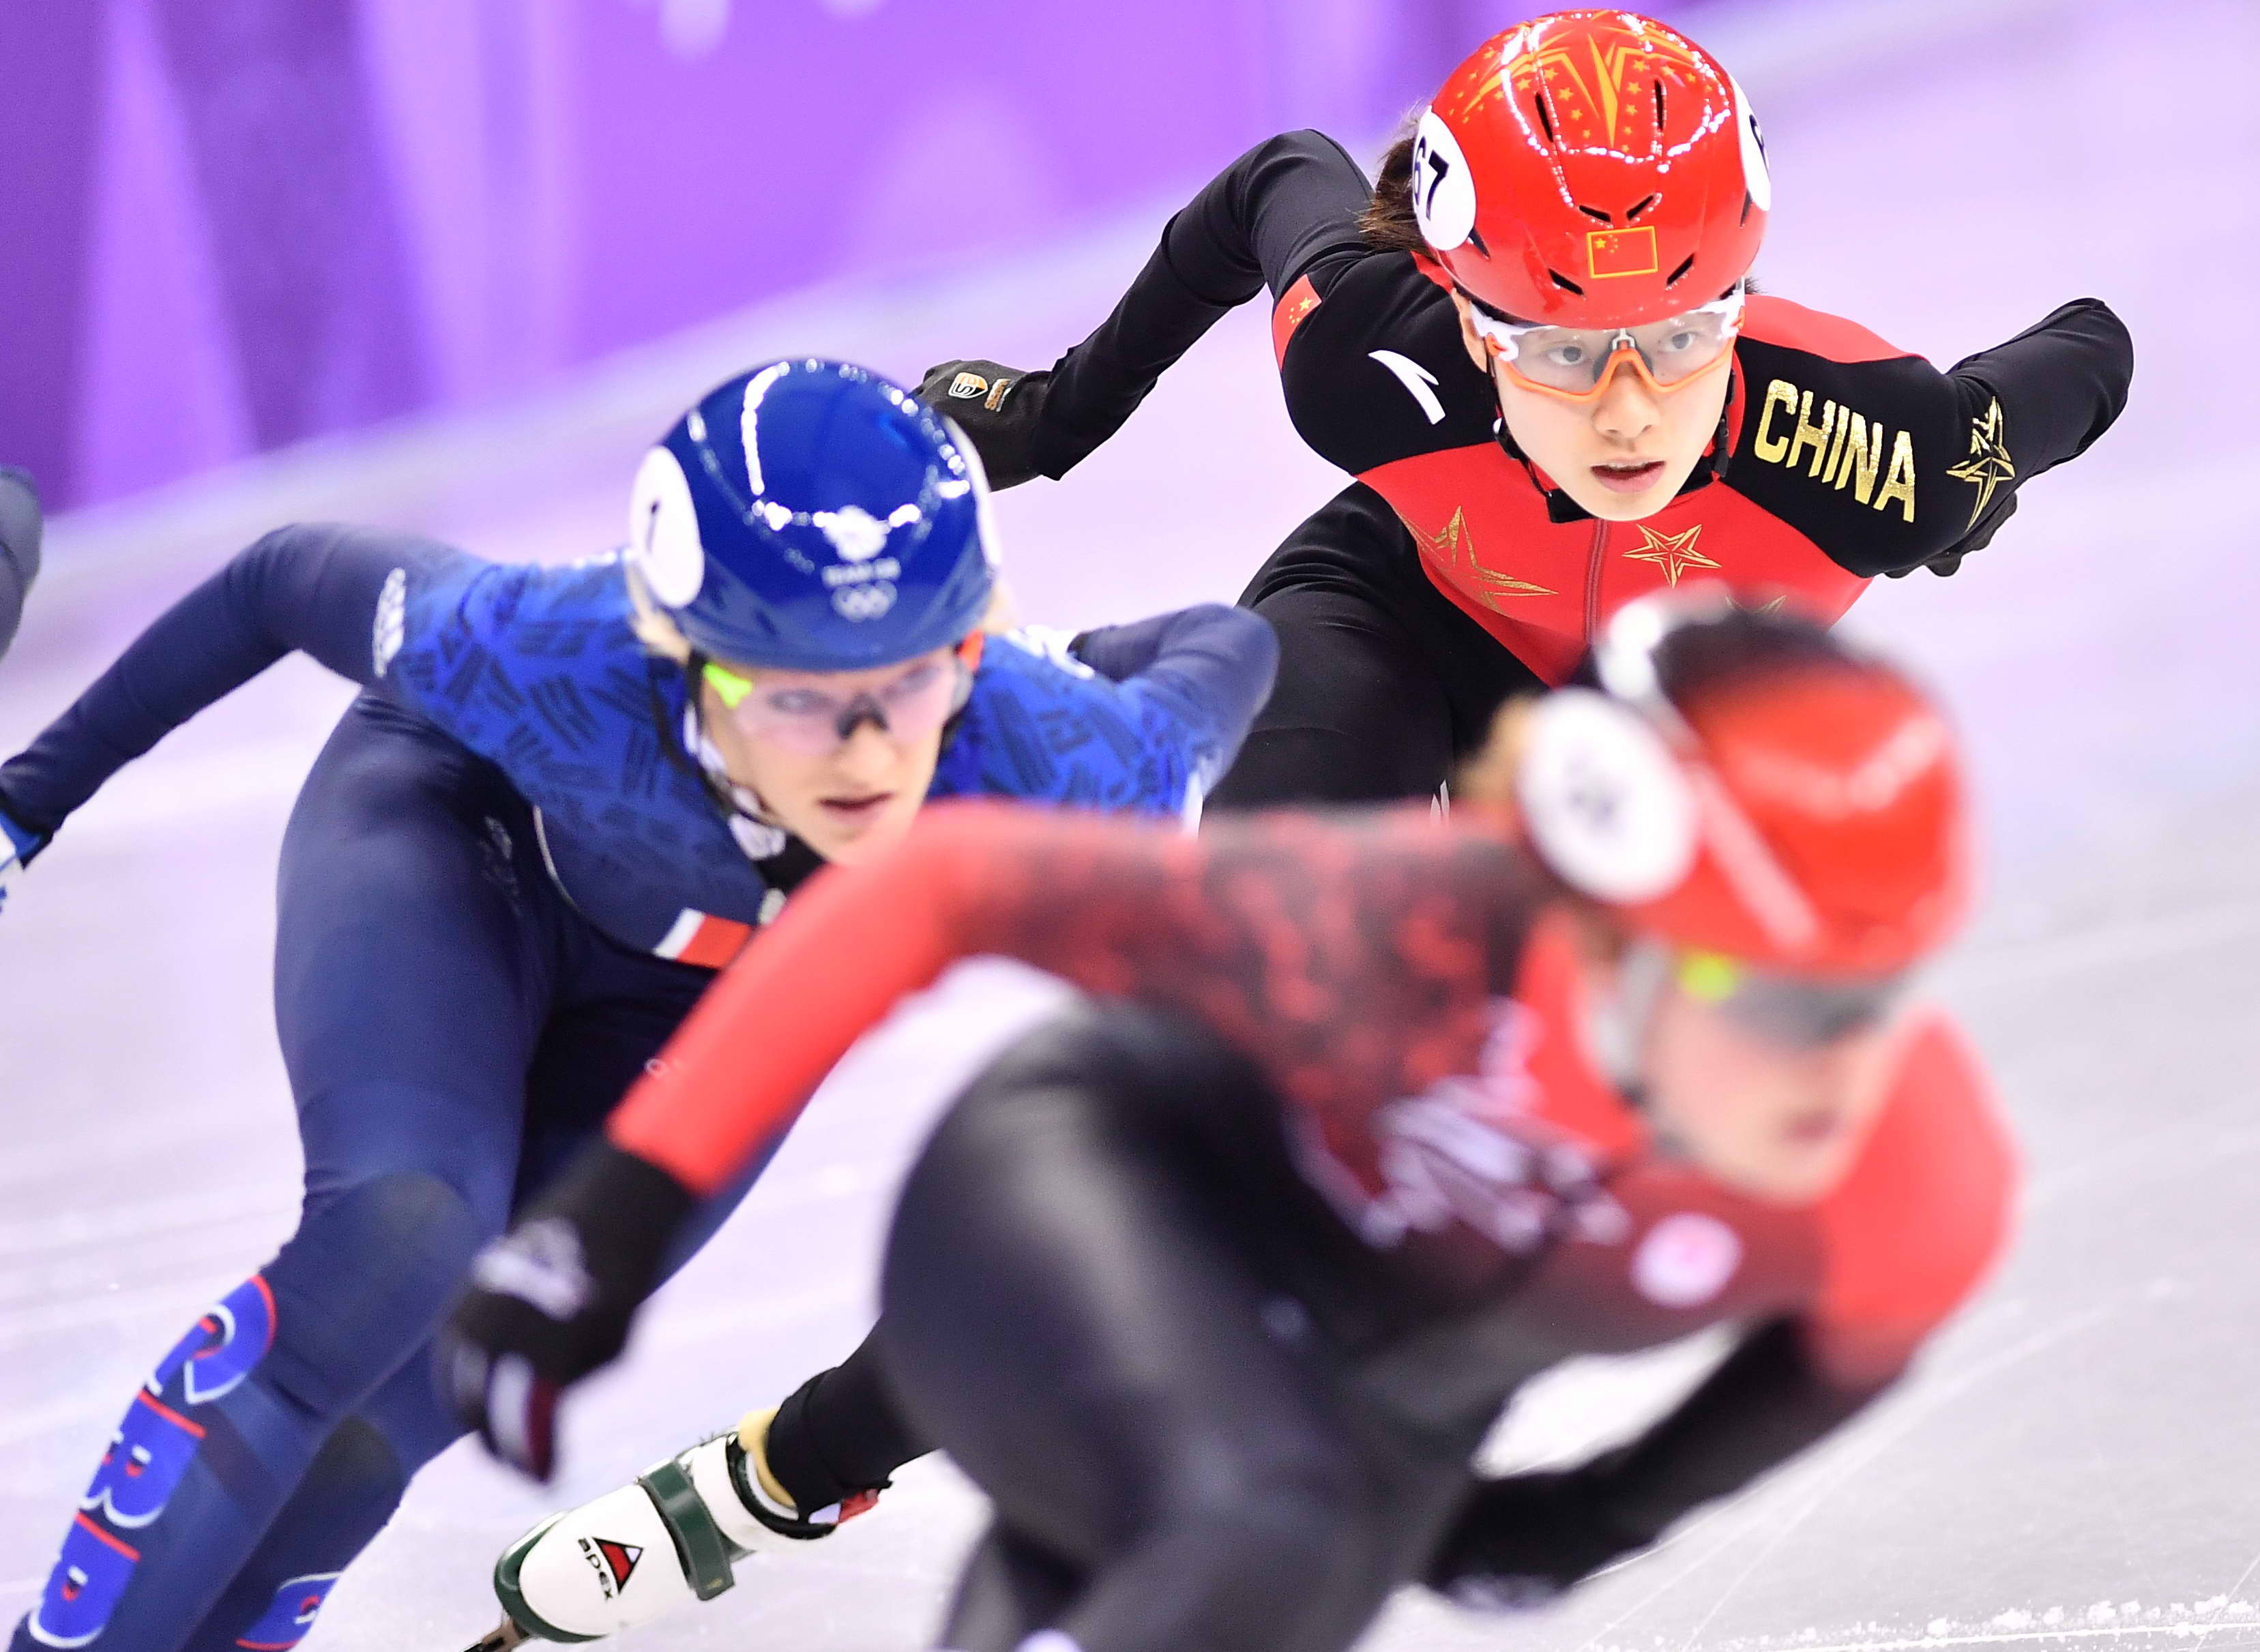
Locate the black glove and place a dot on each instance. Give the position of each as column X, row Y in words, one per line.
column 1522, row 1540
column 1000, row 407
column 1949, row 560
column 550, row 1302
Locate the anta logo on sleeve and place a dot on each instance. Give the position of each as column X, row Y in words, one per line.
column 1841, row 449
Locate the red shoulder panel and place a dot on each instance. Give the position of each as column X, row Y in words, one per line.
column 1923, row 1214
column 1570, row 1093
column 1772, row 320
column 1288, row 314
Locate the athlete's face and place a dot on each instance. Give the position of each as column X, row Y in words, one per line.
column 845, row 798
column 1623, row 454
column 1777, row 1121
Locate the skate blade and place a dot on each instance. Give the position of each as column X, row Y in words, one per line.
column 504, row 1637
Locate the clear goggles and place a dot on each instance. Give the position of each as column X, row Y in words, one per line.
column 800, row 717
column 1800, row 1012
column 1577, row 363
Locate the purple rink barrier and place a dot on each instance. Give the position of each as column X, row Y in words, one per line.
column 236, row 224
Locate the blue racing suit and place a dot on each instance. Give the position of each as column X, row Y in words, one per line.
column 507, row 878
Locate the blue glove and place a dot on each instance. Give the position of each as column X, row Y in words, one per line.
column 17, row 845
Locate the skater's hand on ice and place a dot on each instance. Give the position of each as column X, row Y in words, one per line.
column 1523, row 1540
column 1000, row 407
column 18, row 845
column 551, row 1302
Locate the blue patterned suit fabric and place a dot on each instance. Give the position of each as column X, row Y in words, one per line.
column 538, row 671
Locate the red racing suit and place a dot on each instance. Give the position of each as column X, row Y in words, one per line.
column 1406, row 993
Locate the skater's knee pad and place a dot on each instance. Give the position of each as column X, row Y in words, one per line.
column 360, row 1284
column 356, row 1469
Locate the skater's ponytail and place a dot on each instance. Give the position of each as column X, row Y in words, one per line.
column 1388, row 223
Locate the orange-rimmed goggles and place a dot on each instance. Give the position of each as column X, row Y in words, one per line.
column 1576, row 364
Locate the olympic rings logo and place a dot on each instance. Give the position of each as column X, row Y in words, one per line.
column 864, row 602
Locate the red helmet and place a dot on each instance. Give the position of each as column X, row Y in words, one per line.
column 1744, row 783
column 1589, row 169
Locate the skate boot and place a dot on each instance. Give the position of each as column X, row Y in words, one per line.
column 669, row 1537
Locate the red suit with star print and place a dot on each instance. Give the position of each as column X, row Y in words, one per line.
column 1455, row 573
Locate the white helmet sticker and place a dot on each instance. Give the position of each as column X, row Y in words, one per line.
column 856, row 533
column 1757, row 176
column 1444, row 189
column 749, row 422
column 663, row 530
column 1605, row 802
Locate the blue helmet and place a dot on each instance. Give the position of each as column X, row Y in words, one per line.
column 811, row 516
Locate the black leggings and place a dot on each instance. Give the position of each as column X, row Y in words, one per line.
column 1076, row 1307
column 1384, row 685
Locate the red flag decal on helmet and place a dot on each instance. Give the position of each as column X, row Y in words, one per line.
column 1621, row 252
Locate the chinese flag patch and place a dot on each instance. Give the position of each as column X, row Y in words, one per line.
column 1301, row 299
column 1621, row 252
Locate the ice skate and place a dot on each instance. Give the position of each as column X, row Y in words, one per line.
column 669, row 1537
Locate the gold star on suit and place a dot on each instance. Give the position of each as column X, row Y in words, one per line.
column 1674, row 552
column 1455, row 548
column 1989, row 465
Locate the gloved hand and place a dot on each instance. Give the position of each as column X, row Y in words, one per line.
column 18, row 845
column 1000, row 407
column 1949, row 560
column 551, row 1301
column 1056, row 644
column 1525, row 1540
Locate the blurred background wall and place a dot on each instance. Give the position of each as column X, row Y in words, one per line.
column 236, row 224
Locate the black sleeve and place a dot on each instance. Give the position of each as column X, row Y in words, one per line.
column 1768, row 1402
column 2061, row 382
column 1932, row 460
column 20, row 523
column 313, row 589
column 1118, row 653
column 1264, row 221
column 1210, row 665
column 1522, row 1538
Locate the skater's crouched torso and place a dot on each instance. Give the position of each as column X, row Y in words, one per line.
column 540, row 670
column 1412, row 1019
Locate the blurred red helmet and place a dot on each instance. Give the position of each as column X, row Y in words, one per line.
column 1591, row 168
column 1744, row 783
